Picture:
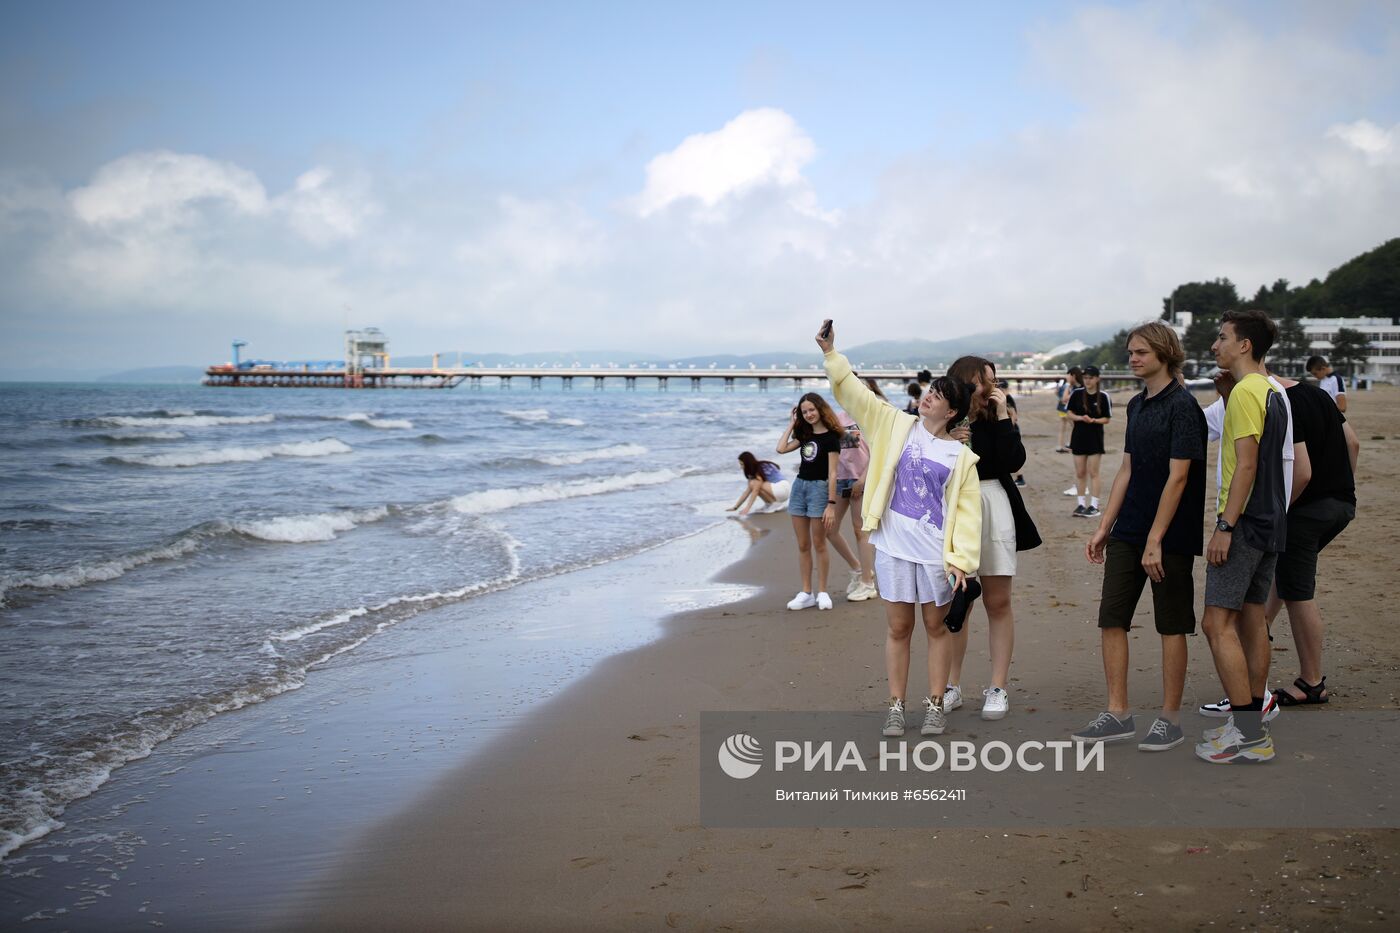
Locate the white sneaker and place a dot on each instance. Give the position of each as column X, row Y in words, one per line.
column 854, row 584
column 934, row 720
column 803, row 601
column 952, row 698
column 861, row 593
column 995, row 703
column 1072, row 491
column 823, row 601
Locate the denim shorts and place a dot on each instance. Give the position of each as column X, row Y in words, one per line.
column 808, row 498
column 844, row 487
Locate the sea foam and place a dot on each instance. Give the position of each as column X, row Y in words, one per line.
column 499, row 500
column 323, row 448
column 616, row 452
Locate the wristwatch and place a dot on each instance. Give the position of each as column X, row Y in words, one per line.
column 1222, row 525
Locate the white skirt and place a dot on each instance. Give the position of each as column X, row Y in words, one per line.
column 998, row 532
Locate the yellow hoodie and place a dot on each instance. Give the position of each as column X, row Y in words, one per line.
column 886, row 430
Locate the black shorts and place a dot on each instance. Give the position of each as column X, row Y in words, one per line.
column 1311, row 527
column 1173, row 600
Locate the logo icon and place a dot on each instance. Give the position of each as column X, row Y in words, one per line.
column 740, row 756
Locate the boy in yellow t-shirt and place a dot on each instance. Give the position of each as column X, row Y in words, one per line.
column 1250, row 531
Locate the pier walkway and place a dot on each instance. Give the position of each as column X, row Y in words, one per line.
column 505, row 377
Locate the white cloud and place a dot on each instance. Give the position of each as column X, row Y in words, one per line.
column 1378, row 145
column 756, row 149
column 323, row 212
column 160, row 188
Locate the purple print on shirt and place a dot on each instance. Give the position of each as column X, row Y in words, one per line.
column 918, row 488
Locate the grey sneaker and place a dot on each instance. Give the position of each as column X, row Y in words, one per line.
column 1163, row 735
column 934, row 720
column 1108, row 728
column 894, row 722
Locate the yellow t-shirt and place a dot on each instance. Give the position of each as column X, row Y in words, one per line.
column 1244, row 417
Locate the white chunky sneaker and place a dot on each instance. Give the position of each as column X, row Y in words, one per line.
column 802, row 601
column 952, row 698
column 823, row 600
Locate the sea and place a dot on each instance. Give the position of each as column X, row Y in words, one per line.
column 171, row 553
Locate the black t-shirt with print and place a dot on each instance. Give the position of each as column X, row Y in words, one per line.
column 814, row 455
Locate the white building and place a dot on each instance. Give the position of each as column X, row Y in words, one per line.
column 1382, row 364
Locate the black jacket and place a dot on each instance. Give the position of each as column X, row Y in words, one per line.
column 997, row 444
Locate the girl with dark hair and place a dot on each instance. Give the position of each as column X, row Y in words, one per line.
column 816, row 432
column 1006, row 527
column 923, row 510
column 765, row 481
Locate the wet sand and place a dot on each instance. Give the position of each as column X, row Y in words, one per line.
column 586, row 814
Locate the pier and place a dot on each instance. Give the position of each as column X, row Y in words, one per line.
column 309, row 377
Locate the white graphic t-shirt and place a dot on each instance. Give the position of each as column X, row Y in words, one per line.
column 912, row 526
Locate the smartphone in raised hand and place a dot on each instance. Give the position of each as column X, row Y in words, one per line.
column 826, row 329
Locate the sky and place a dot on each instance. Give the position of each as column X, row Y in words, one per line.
column 673, row 178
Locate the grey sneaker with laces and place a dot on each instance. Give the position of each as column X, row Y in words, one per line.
column 934, row 720
column 894, row 721
column 1163, row 735
column 1107, row 728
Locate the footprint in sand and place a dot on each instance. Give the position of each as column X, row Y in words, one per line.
column 1167, row 848
column 1243, row 845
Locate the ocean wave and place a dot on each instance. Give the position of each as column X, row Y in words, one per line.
column 139, row 438
column 499, row 500
column 325, row 447
column 540, row 416
column 431, row 438
column 418, row 601
column 616, row 452
column 360, row 417
column 301, row 529
column 110, row 569
column 172, row 420
column 288, row 529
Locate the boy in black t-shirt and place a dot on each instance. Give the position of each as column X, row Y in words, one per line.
column 1090, row 410
column 1151, row 530
column 1321, row 511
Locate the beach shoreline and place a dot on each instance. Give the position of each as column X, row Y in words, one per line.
column 591, row 821
column 261, row 798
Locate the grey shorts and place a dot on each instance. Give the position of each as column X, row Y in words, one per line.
column 903, row 581
column 1245, row 577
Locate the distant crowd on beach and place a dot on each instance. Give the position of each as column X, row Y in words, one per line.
column 938, row 521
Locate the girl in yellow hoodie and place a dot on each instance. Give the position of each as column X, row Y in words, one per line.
column 923, row 510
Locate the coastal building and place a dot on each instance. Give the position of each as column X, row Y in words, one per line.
column 1383, row 336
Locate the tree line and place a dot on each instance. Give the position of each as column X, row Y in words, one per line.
column 1366, row 286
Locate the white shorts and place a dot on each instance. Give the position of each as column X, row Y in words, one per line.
column 998, row 532
column 903, row 581
column 781, row 489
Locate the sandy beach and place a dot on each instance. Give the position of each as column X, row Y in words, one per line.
column 584, row 812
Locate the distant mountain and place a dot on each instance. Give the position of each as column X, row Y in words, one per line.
column 158, row 375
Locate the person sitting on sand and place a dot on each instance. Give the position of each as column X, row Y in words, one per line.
column 765, row 481
column 815, row 431
column 923, row 509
